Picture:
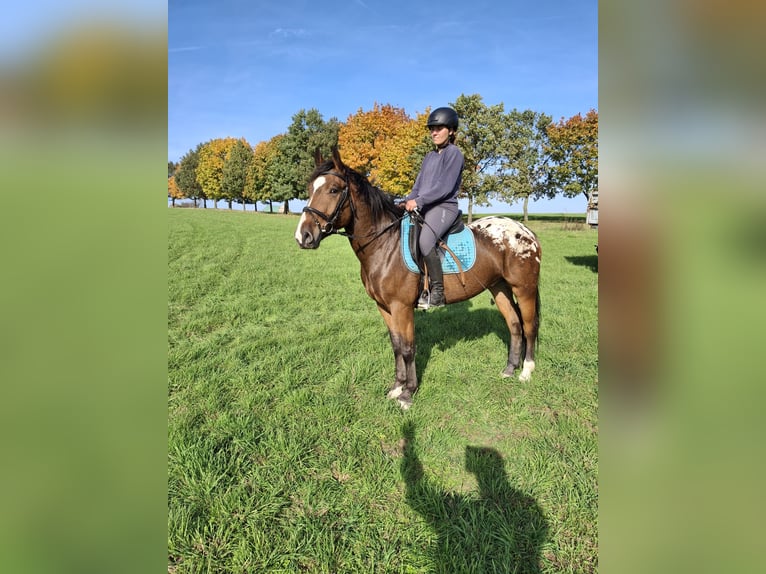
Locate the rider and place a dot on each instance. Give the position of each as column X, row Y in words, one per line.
column 434, row 195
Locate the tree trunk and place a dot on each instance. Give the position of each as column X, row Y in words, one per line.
column 470, row 209
column 526, row 202
column 286, row 210
column 230, row 204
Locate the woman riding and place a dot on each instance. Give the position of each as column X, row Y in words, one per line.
column 434, row 195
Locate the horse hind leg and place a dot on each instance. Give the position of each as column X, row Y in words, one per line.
column 509, row 310
column 529, row 306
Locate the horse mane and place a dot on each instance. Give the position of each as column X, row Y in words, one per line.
column 381, row 203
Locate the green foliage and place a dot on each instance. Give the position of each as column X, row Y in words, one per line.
column 573, row 148
column 235, row 170
column 186, row 175
column 295, row 160
column 526, row 164
column 285, row 456
column 508, row 156
column 481, row 137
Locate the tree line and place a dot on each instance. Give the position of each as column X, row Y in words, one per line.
column 509, row 156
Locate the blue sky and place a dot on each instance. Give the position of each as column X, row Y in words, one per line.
column 243, row 69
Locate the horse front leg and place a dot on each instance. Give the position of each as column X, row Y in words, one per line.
column 400, row 321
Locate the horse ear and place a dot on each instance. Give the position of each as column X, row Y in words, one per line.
column 339, row 167
column 317, row 157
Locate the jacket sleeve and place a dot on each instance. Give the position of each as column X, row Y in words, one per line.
column 445, row 184
column 415, row 188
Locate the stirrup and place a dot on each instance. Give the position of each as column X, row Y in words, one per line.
column 424, row 302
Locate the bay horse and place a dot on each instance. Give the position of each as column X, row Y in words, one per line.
column 342, row 201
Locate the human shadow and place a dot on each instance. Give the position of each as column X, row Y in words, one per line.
column 498, row 529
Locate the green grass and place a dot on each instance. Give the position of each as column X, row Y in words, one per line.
column 285, row 455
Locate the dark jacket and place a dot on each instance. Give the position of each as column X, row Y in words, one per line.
column 439, row 178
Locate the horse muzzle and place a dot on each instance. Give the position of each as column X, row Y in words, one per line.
column 308, row 241
column 307, row 234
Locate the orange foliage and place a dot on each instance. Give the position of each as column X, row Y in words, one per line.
column 174, row 192
column 379, row 144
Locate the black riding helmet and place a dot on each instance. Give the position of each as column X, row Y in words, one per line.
column 443, row 117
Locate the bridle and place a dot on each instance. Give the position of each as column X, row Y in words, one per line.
column 329, row 227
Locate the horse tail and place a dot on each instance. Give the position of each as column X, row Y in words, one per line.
column 538, row 314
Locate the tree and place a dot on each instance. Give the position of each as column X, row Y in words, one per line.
column 402, row 156
column 172, row 166
column 174, row 191
column 385, row 145
column 295, row 160
column 526, row 163
column 261, row 181
column 212, row 156
column 235, row 169
column 186, row 176
column 573, row 149
column 481, row 134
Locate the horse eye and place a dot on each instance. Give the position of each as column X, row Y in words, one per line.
column 333, row 190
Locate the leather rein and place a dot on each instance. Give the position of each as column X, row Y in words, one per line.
column 329, row 227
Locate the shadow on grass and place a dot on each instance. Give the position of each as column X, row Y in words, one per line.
column 497, row 529
column 444, row 328
column 589, row 261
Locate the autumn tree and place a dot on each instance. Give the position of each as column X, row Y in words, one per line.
column 174, row 192
column 307, row 133
column 573, row 148
column 526, row 161
column 481, row 138
column 401, row 156
column 385, row 145
column 186, row 176
column 212, row 157
column 234, row 174
column 262, row 174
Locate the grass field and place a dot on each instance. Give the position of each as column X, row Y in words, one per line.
column 285, row 455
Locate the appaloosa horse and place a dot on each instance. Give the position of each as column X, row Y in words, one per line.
column 507, row 263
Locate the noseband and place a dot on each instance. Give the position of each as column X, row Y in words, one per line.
column 329, row 227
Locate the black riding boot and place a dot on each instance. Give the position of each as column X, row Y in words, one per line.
column 434, row 295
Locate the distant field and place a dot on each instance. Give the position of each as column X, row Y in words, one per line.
column 285, row 455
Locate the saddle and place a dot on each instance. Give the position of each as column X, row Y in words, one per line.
column 458, row 242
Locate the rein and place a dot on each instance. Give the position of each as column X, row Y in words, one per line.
column 329, row 227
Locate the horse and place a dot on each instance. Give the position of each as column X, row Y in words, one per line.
column 342, row 201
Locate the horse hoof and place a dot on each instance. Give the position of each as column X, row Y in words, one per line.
column 526, row 372
column 507, row 374
column 395, row 392
column 405, row 404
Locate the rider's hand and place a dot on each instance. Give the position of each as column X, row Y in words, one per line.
column 411, row 205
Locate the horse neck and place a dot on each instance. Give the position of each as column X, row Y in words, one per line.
column 365, row 240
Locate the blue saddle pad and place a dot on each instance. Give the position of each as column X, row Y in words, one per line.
column 462, row 245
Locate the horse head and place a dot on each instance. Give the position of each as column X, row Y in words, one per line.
column 329, row 208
